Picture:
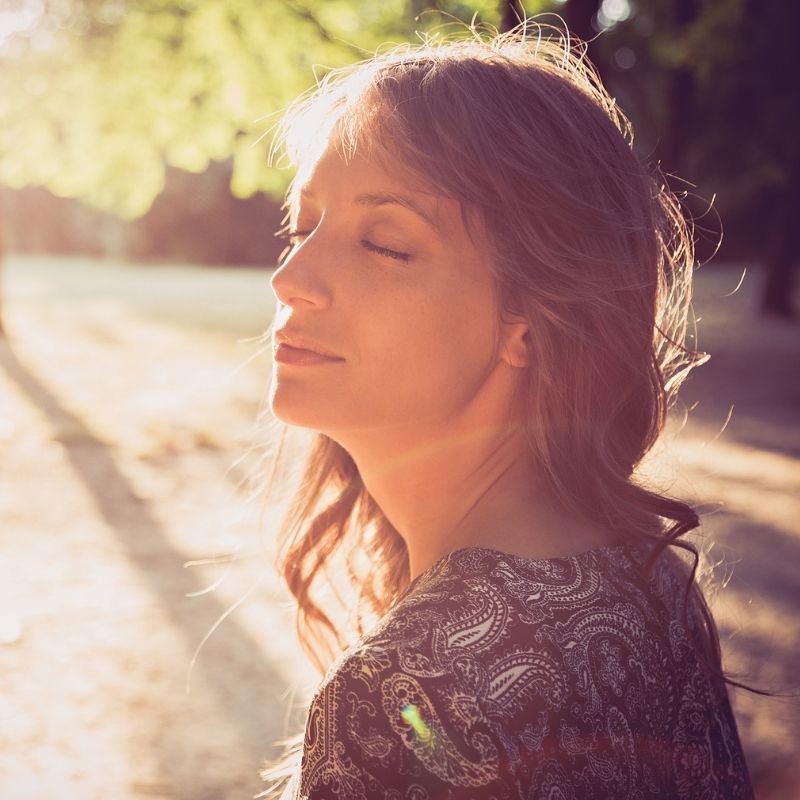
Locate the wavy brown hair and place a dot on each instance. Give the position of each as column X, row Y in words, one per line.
column 589, row 246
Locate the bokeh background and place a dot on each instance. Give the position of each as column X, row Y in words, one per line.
column 147, row 649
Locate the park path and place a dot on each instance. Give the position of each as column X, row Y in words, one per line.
column 127, row 404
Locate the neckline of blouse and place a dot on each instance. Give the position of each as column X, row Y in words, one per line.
column 608, row 550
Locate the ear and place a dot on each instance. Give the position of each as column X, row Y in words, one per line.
column 516, row 342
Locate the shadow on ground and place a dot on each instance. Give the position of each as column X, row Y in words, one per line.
column 144, row 541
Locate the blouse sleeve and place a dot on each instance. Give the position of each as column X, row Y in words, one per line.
column 375, row 732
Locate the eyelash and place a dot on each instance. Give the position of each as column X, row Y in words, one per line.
column 384, row 251
column 290, row 236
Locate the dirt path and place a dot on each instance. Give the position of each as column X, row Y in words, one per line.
column 126, row 396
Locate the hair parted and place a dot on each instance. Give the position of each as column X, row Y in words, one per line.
column 589, row 246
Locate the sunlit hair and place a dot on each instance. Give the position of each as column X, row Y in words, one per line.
column 589, row 245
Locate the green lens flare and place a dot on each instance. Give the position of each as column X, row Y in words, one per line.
column 411, row 715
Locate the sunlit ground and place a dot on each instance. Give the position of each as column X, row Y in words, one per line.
column 126, row 397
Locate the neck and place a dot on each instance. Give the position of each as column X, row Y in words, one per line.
column 446, row 489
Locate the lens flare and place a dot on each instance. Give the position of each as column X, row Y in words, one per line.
column 411, row 715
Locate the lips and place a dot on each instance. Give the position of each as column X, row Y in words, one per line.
column 291, row 348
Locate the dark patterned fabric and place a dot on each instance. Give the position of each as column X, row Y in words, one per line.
column 499, row 677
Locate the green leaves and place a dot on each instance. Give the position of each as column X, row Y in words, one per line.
column 100, row 117
column 100, row 96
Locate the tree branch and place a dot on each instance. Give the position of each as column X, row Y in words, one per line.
column 308, row 16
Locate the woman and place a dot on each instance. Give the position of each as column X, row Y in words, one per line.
column 480, row 317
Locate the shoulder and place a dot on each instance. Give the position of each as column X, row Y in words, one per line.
column 455, row 690
column 495, row 677
column 399, row 716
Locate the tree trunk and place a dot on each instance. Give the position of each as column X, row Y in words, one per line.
column 512, row 13
column 680, row 97
column 783, row 255
column 578, row 15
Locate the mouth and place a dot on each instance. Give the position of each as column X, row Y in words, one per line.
column 298, row 350
column 286, row 354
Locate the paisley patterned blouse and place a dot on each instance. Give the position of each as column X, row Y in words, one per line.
column 496, row 677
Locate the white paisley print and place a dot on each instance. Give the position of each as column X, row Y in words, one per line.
column 497, row 677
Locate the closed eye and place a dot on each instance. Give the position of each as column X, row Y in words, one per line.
column 292, row 239
column 384, row 251
column 295, row 238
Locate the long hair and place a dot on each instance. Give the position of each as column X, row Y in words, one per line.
column 589, row 246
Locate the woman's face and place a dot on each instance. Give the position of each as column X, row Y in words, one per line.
column 387, row 316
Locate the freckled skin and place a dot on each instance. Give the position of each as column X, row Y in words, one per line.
column 419, row 336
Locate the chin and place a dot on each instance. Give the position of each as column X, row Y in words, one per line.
column 301, row 408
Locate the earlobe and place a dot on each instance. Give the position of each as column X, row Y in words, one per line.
column 516, row 350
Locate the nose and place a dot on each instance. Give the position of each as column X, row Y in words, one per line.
column 299, row 281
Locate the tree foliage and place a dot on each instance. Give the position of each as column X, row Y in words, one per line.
column 711, row 88
column 98, row 97
column 115, row 92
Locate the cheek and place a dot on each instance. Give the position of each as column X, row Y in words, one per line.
column 433, row 353
column 417, row 353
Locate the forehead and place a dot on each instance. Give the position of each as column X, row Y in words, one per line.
column 369, row 180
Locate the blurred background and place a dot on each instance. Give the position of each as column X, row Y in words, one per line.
column 137, row 213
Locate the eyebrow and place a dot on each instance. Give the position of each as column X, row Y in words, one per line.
column 375, row 200
column 385, row 198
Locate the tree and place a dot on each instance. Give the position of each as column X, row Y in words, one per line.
column 578, row 15
column 99, row 97
column 114, row 99
column 512, row 14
